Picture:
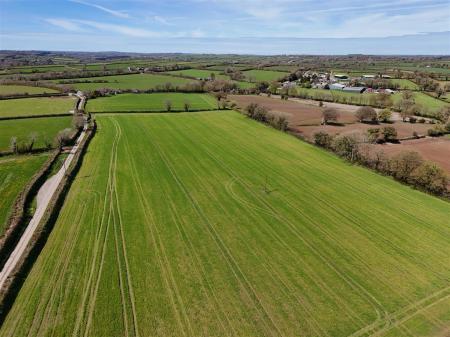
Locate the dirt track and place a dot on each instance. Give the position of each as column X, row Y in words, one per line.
column 44, row 196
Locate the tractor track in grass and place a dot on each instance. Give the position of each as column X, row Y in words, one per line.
column 387, row 318
column 199, row 266
column 99, row 248
column 347, row 279
column 169, row 280
column 260, row 209
column 225, row 251
column 290, row 292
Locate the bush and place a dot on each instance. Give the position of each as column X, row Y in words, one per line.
column 385, row 115
column 374, row 135
column 346, row 147
column 430, row 177
column 421, row 120
column 366, row 113
column 323, row 139
column 436, row 131
column 329, row 115
column 250, row 109
column 389, row 134
column 403, row 164
column 412, row 119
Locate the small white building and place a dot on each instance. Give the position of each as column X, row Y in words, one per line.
column 336, row 86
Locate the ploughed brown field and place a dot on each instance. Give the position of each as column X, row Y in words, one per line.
column 301, row 112
column 305, row 116
column 433, row 149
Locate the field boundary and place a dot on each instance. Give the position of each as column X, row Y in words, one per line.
column 21, row 96
column 66, row 114
column 16, row 221
column 13, row 284
column 154, row 111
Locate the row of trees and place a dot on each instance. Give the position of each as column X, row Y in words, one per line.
column 19, row 145
column 407, row 167
column 262, row 114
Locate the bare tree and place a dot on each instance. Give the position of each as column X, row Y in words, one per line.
column 168, row 105
column 187, row 106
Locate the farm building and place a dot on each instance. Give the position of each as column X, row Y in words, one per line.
column 368, row 76
column 336, row 86
column 359, row 90
column 341, row 77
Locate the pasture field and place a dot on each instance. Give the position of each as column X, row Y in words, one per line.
column 24, row 89
column 404, row 83
column 36, row 106
column 15, row 172
column 203, row 74
column 199, row 73
column 46, row 128
column 431, row 103
column 151, row 102
column 210, row 224
column 264, row 75
column 134, row 81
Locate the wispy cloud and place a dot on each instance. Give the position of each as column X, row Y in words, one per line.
column 119, row 14
column 65, row 24
column 80, row 25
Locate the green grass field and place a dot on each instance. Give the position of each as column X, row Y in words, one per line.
column 134, row 81
column 24, row 89
column 15, row 172
column 210, row 224
column 151, row 102
column 264, row 75
column 46, row 128
column 199, row 73
column 404, row 83
column 36, row 106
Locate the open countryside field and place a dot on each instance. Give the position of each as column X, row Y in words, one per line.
column 212, row 224
column 36, row 106
column 24, row 89
column 264, row 75
column 134, row 81
column 151, row 102
column 199, row 73
column 15, row 172
column 46, row 128
column 404, row 83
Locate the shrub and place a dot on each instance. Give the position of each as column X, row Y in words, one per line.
column 374, row 135
column 366, row 113
column 329, row 115
column 436, row 131
column 421, row 120
column 404, row 163
column 412, row 119
column 346, row 147
column 250, row 109
column 430, row 177
column 389, row 134
column 323, row 139
column 385, row 115
column 260, row 114
column 13, row 145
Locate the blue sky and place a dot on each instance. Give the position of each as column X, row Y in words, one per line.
column 228, row 26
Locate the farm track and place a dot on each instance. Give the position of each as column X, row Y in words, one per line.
column 186, row 236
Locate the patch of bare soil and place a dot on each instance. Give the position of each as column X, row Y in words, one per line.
column 299, row 112
column 433, row 149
